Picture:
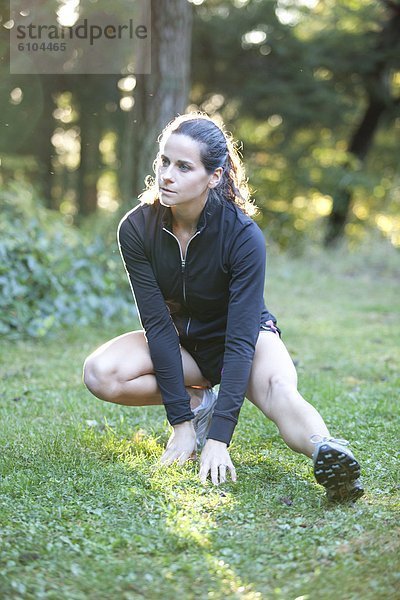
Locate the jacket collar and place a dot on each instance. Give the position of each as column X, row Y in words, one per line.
column 209, row 208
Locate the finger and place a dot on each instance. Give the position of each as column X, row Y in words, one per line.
column 214, row 473
column 183, row 458
column 222, row 473
column 168, row 458
column 232, row 472
column 163, row 458
column 204, row 470
column 165, row 455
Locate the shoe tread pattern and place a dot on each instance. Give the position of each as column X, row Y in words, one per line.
column 338, row 473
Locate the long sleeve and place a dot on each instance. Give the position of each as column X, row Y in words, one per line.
column 243, row 325
column 160, row 331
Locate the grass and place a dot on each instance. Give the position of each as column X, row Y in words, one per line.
column 86, row 513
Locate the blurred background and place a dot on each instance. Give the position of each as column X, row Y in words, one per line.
column 311, row 88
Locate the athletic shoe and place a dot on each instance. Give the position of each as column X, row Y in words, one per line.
column 203, row 415
column 336, row 469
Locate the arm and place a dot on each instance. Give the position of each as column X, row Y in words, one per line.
column 160, row 331
column 247, row 260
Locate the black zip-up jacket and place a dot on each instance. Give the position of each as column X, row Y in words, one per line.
column 217, row 291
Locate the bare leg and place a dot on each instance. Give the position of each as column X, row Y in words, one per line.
column 273, row 389
column 121, row 371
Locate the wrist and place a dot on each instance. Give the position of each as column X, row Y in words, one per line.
column 185, row 425
column 216, row 443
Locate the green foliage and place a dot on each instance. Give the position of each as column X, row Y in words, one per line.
column 292, row 83
column 292, row 80
column 50, row 276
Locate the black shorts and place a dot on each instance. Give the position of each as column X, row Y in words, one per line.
column 210, row 356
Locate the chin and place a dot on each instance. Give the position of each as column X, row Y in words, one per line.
column 164, row 201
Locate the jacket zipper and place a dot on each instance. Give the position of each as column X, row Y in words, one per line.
column 183, row 265
column 187, row 327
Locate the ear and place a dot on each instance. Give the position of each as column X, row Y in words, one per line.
column 215, row 178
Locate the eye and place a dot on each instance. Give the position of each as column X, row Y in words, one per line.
column 163, row 161
column 184, row 167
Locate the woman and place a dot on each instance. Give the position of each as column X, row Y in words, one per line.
column 196, row 264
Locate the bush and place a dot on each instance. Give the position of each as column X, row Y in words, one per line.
column 50, row 274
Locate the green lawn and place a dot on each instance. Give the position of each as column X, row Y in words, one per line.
column 86, row 513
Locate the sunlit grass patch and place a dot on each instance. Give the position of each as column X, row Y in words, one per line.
column 86, row 510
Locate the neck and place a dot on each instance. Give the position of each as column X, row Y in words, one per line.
column 186, row 217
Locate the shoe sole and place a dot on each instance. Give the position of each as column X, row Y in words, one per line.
column 350, row 494
column 338, row 472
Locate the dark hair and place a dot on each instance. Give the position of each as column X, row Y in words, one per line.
column 217, row 149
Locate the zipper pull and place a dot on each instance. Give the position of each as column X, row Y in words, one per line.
column 183, row 266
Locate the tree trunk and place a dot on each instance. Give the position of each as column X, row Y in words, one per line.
column 379, row 100
column 90, row 159
column 359, row 146
column 125, row 157
column 90, row 99
column 45, row 150
column 162, row 95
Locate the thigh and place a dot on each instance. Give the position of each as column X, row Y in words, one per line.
column 271, row 362
column 209, row 356
column 127, row 357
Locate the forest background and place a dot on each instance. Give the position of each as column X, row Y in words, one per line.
column 311, row 88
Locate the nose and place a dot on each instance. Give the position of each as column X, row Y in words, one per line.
column 166, row 175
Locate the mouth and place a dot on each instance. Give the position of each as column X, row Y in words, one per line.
column 166, row 191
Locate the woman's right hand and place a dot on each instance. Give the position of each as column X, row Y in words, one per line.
column 181, row 444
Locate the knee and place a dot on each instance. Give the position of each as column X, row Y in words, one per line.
column 282, row 385
column 98, row 377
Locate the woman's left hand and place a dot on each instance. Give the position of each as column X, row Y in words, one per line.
column 215, row 459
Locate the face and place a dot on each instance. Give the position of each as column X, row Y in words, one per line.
column 181, row 176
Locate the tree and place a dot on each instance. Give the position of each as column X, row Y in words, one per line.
column 162, row 95
column 158, row 98
column 292, row 84
column 380, row 100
